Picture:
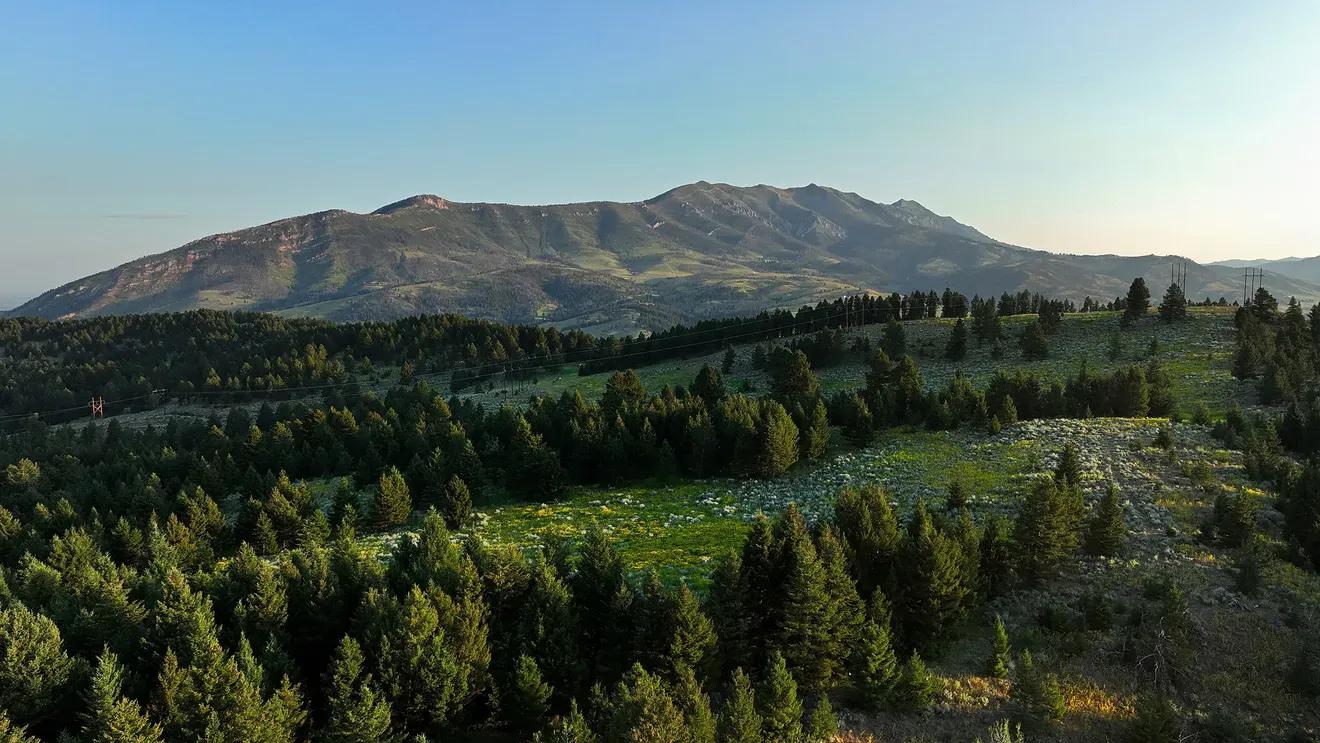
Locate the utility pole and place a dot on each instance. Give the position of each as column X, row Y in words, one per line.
column 98, row 407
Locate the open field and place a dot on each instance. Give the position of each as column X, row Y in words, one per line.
column 1197, row 354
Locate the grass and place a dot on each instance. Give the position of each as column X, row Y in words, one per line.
column 1197, row 354
column 674, row 529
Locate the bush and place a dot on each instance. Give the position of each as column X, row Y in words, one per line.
column 1097, row 611
column 1223, row 726
column 1155, row 722
column 1003, row 732
column 1056, row 618
column 1249, row 576
column 1304, row 676
column 1164, row 439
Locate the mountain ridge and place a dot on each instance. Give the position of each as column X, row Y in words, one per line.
column 698, row 250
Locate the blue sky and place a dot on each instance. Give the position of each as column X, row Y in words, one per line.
column 129, row 128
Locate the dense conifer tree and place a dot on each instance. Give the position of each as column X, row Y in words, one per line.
column 997, row 663
column 571, row 728
column 894, row 341
column 917, row 686
column 1045, row 534
column 822, row 725
column 1107, row 532
column 957, row 346
column 932, row 591
column 604, row 603
column 708, row 385
column 355, row 712
column 866, row 521
column 739, row 721
column 875, row 666
column 392, row 503
column 529, row 695
column 1033, row 343
column 112, row 717
column 808, row 616
column 641, row 710
column 1138, row 301
column 778, row 703
column 1173, row 308
column 1036, row 693
column 777, row 439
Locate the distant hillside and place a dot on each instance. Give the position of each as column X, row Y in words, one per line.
column 1304, row 269
column 700, row 250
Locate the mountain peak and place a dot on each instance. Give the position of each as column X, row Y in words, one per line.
column 426, row 201
column 912, row 206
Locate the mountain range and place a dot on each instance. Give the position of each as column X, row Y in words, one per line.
column 699, row 250
column 1306, row 269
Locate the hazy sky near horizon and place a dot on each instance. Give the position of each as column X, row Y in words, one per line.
column 129, row 128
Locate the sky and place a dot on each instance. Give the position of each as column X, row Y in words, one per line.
column 129, row 128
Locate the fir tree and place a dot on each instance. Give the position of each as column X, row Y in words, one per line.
column 1115, row 348
column 729, row 359
column 456, row 505
column 807, row 619
column 997, row 663
column 1008, row 413
column 1107, row 531
column 688, row 634
column 708, row 385
column 111, row 717
column 739, row 720
column 780, row 708
column 1173, row 308
column 1036, row 693
column 917, row 686
column 11, row 732
column 1069, row 469
column 547, row 628
column 695, row 706
column 571, row 728
column 1033, row 343
column 1044, row 533
column 822, row 725
column 34, row 670
column 846, row 611
column 929, row 572
column 392, row 504
column 603, row 600
column 815, row 435
column 957, row 498
column 957, row 347
column 355, row 711
column 866, row 521
column 777, row 439
column 641, row 710
column 894, row 340
column 1138, row 301
column 875, row 666
column 529, row 694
